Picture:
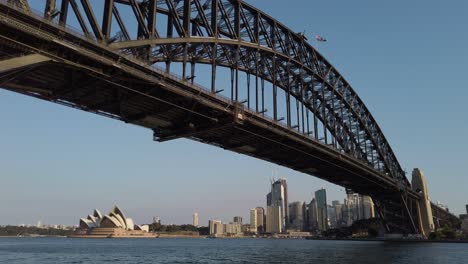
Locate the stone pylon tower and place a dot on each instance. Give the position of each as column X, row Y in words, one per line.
column 426, row 222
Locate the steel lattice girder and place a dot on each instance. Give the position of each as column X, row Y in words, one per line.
column 269, row 52
column 242, row 37
column 233, row 34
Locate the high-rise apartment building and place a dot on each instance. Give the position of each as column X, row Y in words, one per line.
column 238, row 219
column 195, row 220
column 260, row 219
column 322, row 215
column 253, row 219
column 274, row 220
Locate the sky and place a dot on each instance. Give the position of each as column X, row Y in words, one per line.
column 407, row 60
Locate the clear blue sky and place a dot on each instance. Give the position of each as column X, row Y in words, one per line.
column 406, row 59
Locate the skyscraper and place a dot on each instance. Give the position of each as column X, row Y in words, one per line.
column 297, row 216
column 322, row 216
column 260, row 219
column 273, row 220
column 338, row 212
column 331, row 217
column 253, row 219
column 312, row 212
column 195, row 219
column 278, row 197
column 268, row 197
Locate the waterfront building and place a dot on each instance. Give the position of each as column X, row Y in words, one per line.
column 278, row 197
column 312, row 215
column 260, row 219
column 464, row 216
column 274, row 220
column 338, row 208
column 464, row 226
column 195, row 220
column 297, row 216
column 114, row 224
column 332, row 222
column 233, row 229
column 216, row 227
column 237, row 219
column 356, row 207
column 322, row 215
column 253, row 219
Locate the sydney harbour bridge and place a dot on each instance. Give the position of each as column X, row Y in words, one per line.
column 269, row 94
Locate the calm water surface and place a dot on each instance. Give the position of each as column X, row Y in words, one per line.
column 63, row 250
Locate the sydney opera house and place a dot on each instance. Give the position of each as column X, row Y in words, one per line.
column 113, row 225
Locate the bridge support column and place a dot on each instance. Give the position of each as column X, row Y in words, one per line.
column 426, row 223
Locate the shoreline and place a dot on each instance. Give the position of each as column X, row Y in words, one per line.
column 389, row 240
column 206, row 237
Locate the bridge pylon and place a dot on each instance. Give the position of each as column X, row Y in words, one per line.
column 426, row 223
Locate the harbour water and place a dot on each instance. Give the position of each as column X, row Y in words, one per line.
column 65, row 250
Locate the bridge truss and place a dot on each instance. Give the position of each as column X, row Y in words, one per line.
column 284, row 100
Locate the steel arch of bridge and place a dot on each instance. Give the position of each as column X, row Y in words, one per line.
column 237, row 36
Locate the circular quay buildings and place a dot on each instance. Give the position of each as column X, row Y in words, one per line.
column 113, row 225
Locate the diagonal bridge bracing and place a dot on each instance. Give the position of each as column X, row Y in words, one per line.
column 280, row 100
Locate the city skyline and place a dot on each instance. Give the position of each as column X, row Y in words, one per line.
column 61, row 152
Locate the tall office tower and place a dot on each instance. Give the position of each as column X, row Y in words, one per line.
column 312, row 211
column 238, row 219
column 286, row 209
column 274, row 220
column 279, row 198
column 216, row 227
column 195, row 219
column 322, row 216
column 253, row 219
column 268, row 197
column 297, row 216
column 338, row 213
column 260, row 219
column 332, row 222
column 345, row 220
